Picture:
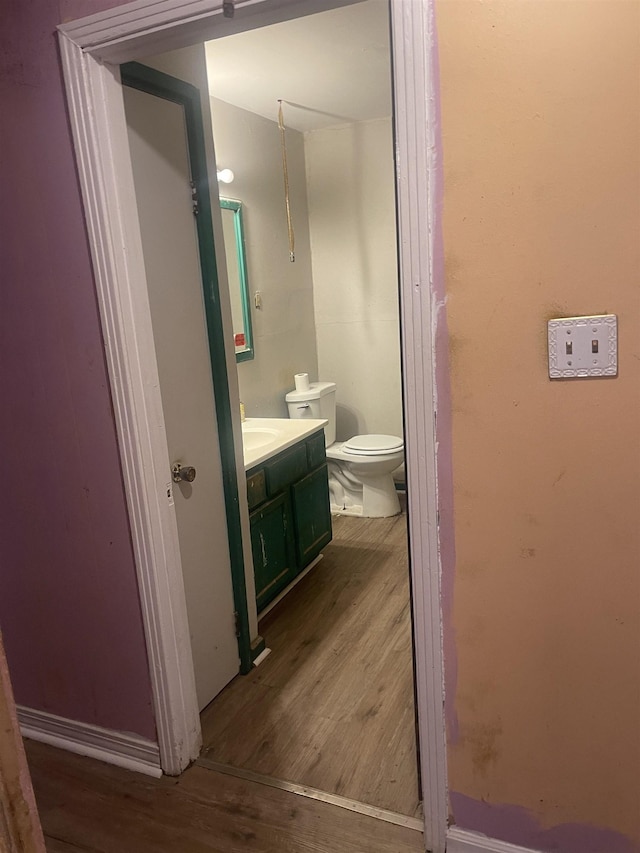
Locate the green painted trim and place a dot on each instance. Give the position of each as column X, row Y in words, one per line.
column 236, row 206
column 153, row 82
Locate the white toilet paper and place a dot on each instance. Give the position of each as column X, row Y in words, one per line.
column 302, row 381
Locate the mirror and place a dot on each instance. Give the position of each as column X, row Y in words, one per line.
column 238, row 283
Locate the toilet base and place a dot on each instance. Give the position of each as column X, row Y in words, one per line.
column 372, row 496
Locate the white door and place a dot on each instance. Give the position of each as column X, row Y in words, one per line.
column 158, row 143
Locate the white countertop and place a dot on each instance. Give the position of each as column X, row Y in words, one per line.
column 262, row 438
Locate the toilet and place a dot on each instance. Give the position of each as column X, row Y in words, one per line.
column 360, row 469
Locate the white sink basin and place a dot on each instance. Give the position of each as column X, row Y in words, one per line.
column 255, row 437
column 262, row 438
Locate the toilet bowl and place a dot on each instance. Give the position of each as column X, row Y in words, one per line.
column 360, row 469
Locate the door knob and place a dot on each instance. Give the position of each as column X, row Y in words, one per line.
column 184, row 473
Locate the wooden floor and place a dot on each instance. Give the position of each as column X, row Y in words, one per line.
column 90, row 807
column 332, row 706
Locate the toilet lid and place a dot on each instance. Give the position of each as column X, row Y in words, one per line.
column 373, row 445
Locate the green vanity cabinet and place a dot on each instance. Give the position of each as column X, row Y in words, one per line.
column 289, row 514
column 285, row 468
column 273, row 548
column 312, row 515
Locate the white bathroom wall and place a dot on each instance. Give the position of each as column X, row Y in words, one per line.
column 350, row 186
column 283, row 328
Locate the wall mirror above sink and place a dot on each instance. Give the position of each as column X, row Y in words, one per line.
column 232, row 227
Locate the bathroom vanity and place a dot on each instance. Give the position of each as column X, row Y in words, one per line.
column 288, row 495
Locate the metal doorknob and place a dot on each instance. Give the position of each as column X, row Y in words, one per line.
column 184, row 473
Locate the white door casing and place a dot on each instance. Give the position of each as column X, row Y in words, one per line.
column 90, row 48
column 160, row 160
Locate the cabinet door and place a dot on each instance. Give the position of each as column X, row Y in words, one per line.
column 273, row 549
column 312, row 515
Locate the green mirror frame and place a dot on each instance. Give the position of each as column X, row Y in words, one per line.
column 238, row 281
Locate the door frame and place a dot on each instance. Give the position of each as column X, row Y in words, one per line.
column 91, row 49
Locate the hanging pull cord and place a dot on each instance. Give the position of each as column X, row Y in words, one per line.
column 285, row 172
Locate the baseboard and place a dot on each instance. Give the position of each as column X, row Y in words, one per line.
column 124, row 750
column 464, row 841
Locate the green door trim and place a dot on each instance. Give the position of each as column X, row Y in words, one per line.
column 145, row 79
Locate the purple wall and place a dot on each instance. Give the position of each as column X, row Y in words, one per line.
column 517, row 825
column 69, row 605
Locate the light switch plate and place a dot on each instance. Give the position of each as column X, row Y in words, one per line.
column 580, row 347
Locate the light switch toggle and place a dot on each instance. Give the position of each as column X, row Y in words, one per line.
column 594, row 346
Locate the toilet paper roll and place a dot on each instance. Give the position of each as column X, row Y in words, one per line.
column 302, row 381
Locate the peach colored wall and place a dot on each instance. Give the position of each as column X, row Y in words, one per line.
column 541, row 141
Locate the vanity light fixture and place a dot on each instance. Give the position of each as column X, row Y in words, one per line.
column 225, row 176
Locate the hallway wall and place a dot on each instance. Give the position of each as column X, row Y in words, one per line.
column 541, row 143
column 69, row 605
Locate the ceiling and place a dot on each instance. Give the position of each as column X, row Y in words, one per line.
column 330, row 68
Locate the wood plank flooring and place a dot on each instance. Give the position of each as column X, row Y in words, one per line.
column 332, row 706
column 90, row 807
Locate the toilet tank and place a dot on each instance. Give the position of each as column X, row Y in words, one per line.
column 318, row 401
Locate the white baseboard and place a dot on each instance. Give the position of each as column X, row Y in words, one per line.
column 124, row 750
column 463, row 841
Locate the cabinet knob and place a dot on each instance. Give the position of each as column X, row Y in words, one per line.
column 183, row 473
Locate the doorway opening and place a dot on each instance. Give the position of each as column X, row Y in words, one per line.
column 332, row 706
column 91, row 50
column 340, row 664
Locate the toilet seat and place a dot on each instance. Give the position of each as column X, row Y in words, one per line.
column 373, row 445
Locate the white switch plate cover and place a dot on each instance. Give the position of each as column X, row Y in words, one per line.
column 580, row 347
